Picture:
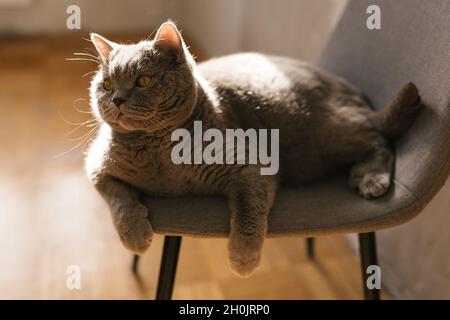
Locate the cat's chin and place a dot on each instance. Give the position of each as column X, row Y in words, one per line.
column 125, row 124
column 120, row 126
column 124, row 127
column 121, row 123
column 127, row 127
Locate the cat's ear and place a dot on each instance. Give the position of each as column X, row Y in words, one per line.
column 103, row 46
column 168, row 38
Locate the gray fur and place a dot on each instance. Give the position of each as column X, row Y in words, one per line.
column 324, row 122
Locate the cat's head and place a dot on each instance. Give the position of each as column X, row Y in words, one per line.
column 146, row 86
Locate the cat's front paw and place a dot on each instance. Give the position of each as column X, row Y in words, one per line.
column 243, row 264
column 374, row 185
column 134, row 227
column 244, row 256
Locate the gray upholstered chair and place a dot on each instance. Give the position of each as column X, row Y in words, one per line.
column 412, row 44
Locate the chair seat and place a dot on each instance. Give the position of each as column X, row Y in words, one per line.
column 322, row 208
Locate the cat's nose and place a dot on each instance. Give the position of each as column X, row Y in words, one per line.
column 118, row 101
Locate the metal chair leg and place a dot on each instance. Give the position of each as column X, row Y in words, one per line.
column 368, row 256
column 168, row 268
column 135, row 265
column 310, row 248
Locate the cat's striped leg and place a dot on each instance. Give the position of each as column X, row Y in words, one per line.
column 129, row 215
column 250, row 201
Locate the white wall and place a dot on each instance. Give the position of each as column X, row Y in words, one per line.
column 415, row 256
column 49, row 16
column 292, row 27
column 298, row 28
column 216, row 25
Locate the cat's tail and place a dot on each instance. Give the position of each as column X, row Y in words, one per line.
column 400, row 114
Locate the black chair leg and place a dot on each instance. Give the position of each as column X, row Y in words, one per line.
column 368, row 256
column 135, row 265
column 310, row 248
column 168, row 268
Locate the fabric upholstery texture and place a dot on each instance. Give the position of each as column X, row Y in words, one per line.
column 413, row 44
column 414, row 257
column 322, row 208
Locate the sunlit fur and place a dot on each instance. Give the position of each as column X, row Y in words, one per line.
column 165, row 103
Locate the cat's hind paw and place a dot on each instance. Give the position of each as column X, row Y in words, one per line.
column 243, row 265
column 374, row 185
column 244, row 254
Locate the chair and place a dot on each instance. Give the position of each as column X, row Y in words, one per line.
column 412, row 44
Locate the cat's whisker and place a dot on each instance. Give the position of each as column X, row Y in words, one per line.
column 87, row 136
column 175, row 118
column 82, row 137
column 151, row 34
column 82, row 111
column 88, row 73
column 74, row 123
column 91, row 135
column 90, row 138
column 161, row 127
column 78, row 100
column 81, row 59
column 74, row 106
column 152, row 123
column 91, row 50
column 86, row 54
column 85, row 139
column 83, row 144
column 88, row 124
column 159, row 123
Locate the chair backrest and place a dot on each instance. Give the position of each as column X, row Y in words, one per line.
column 412, row 44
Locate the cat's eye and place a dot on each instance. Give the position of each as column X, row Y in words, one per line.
column 143, row 81
column 108, row 85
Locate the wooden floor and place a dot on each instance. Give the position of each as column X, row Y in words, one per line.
column 51, row 218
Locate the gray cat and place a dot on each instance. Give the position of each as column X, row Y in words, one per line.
column 142, row 92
